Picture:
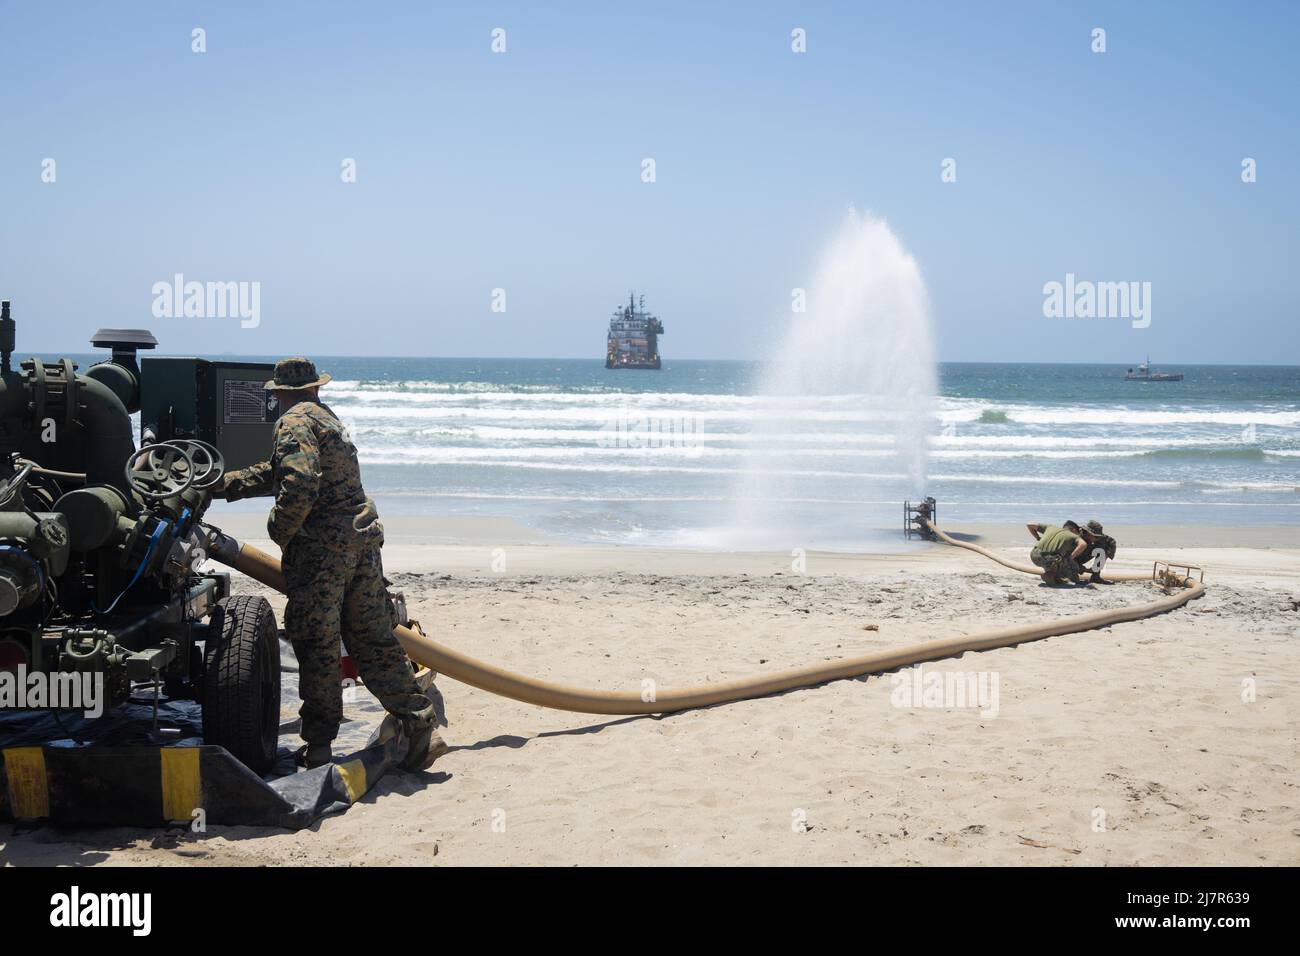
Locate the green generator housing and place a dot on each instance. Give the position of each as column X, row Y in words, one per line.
column 225, row 404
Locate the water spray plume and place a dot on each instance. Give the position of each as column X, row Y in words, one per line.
column 864, row 346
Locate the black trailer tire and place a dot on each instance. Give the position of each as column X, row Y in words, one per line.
column 241, row 681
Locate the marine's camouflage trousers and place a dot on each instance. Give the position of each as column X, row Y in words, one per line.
column 336, row 590
column 1056, row 566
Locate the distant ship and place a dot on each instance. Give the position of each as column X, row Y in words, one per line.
column 1143, row 373
column 633, row 337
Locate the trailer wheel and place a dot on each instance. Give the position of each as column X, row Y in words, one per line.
column 241, row 681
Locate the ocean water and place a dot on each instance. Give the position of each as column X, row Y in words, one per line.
column 662, row 458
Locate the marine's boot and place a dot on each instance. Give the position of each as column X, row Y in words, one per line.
column 1052, row 570
column 314, row 755
column 424, row 743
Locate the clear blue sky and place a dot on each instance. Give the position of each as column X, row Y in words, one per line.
column 522, row 170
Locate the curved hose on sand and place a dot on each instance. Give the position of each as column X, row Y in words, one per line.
column 1031, row 569
column 424, row 650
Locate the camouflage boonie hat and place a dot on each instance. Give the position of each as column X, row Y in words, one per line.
column 1095, row 526
column 294, row 373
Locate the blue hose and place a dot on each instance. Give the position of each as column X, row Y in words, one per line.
column 144, row 562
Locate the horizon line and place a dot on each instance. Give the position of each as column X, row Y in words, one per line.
column 220, row 356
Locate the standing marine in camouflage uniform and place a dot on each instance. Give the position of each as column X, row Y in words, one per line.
column 329, row 534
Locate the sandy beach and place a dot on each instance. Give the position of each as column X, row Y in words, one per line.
column 1172, row 740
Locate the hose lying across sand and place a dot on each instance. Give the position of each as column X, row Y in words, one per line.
column 424, row 650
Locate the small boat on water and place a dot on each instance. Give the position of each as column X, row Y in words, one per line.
column 1143, row 373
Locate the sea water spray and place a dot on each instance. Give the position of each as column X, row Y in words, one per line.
column 859, row 360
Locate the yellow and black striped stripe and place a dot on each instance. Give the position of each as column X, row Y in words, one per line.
column 154, row 786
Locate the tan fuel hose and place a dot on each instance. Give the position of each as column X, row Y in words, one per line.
column 424, row 650
column 1031, row 569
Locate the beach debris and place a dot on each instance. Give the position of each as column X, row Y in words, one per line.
column 871, row 627
column 1048, row 846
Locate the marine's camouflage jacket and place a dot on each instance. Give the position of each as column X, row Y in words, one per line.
column 315, row 478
